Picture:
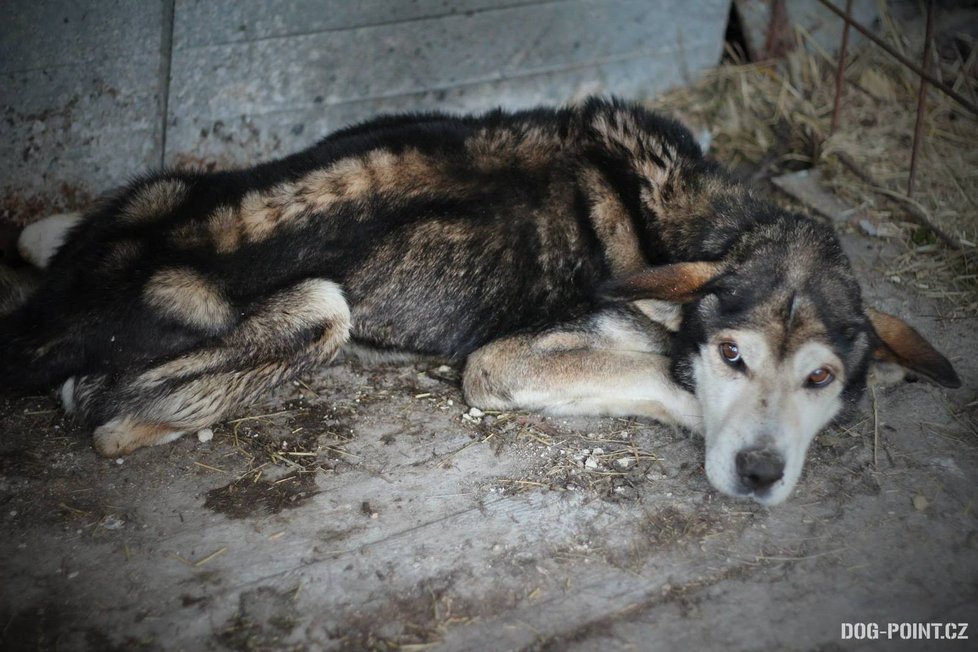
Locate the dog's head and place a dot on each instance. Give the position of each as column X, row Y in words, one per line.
column 774, row 342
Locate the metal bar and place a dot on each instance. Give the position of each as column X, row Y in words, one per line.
column 918, row 129
column 842, row 66
column 947, row 90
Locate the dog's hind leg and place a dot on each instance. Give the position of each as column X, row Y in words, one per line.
column 612, row 363
column 290, row 332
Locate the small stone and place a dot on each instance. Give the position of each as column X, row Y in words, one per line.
column 868, row 228
column 119, row 460
column 598, row 451
column 476, row 413
column 625, row 462
column 451, row 402
column 72, row 575
column 590, row 463
column 205, row 435
column 444, row 369
column 919, row 502
column 367, row 510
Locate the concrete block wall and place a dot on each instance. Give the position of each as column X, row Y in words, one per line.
column 94, row 92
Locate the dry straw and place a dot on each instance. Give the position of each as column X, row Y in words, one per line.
column 770, row 117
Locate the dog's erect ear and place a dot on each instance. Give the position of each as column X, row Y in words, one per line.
column 901, row 344
column 678, row 283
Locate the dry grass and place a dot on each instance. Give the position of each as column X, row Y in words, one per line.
column 766, row 118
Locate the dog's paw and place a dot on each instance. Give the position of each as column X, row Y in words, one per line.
column 123, row 435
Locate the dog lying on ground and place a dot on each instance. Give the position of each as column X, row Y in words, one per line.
column 585, row 260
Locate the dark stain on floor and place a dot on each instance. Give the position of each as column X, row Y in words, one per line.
column 245, row 497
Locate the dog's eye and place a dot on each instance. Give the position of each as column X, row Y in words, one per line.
column 820, row 377
column 730, row 352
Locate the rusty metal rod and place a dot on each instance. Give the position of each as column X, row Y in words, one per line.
column 937, row 83
column 918, row 129
column 837, row 105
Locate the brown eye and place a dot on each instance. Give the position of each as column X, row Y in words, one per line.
column 730, row 352
column 820, row 377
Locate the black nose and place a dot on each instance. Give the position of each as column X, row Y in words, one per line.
column 759, row 468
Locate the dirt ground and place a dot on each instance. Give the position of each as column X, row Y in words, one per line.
column 367, row 508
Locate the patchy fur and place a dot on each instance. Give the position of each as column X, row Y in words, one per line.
column 154, row 200
column 188, row 297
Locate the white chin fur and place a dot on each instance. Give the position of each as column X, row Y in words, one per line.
column 40, row 240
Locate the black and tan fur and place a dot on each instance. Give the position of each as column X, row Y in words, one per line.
column 554, row 250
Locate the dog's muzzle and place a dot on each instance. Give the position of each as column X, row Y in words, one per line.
column 759, row 468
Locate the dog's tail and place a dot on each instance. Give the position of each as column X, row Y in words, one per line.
column 21, row 365
column 17, row 280
column 30, row 361
column 16, row 286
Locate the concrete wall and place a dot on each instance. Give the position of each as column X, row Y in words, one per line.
column 94, row 92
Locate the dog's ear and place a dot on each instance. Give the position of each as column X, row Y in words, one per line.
column 902, row 345
column 677, row 283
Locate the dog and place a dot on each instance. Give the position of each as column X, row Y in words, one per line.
column 585, row 260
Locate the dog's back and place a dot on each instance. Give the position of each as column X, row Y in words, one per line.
column 444, row 232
